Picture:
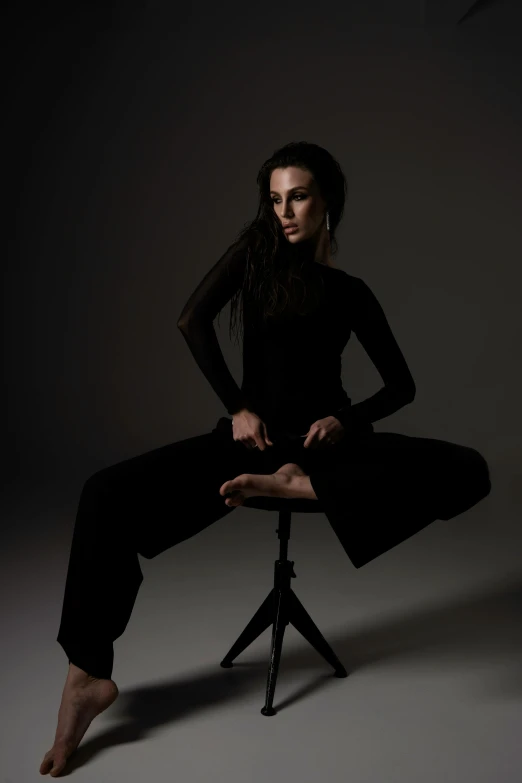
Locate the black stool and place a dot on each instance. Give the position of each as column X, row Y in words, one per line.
column 282, row 606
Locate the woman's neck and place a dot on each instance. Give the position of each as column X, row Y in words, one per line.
column 316, row 248
column 323, row 253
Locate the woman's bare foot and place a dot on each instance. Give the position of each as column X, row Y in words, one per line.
column 83, row 698
column 290, row 481
column 291, row 469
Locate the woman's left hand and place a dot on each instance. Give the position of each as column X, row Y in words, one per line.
column 324, row 432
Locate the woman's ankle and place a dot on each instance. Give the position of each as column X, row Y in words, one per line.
column 77, row 675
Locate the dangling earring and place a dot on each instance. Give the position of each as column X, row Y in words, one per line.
column 327, row 221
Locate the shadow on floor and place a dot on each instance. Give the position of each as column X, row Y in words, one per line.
column 478, row 629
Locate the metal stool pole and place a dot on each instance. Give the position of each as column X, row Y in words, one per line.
column 280, row 607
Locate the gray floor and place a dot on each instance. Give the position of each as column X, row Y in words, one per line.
column 430, row 632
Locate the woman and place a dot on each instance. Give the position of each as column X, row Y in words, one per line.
column 293, row 431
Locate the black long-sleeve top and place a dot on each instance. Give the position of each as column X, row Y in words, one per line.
column 292, row 369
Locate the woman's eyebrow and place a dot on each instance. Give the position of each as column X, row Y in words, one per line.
column 297, row 187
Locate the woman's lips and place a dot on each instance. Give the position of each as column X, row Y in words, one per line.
column 290, row 229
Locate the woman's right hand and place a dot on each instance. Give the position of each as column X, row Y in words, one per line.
column 250, row 430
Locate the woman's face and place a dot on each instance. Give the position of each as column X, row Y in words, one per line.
column 296, row 199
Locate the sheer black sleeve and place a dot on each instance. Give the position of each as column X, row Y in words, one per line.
column 196, row 324
column 373, row 331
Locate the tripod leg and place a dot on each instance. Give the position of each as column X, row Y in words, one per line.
column 259, row 623
column 281, row 621
column 303, row 623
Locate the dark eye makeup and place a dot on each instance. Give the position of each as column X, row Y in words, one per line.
column 299, row 196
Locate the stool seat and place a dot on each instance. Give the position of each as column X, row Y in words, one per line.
column 299, row 505
column 282, row 606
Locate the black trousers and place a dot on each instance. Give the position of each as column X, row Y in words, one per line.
column 376, row 490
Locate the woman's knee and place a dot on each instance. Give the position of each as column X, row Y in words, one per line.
column 98, row 488
column 96, row 481
column 484, row 472
column 477, row 469
column 110, row 475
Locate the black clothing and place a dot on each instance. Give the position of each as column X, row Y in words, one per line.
column 292, row 370
column 375, row 489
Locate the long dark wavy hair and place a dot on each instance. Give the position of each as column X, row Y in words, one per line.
column 275, row 268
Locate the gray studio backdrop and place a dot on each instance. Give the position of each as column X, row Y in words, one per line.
column 140, row 144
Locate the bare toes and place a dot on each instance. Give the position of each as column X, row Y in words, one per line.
column 54, row 762
column 236, row 499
